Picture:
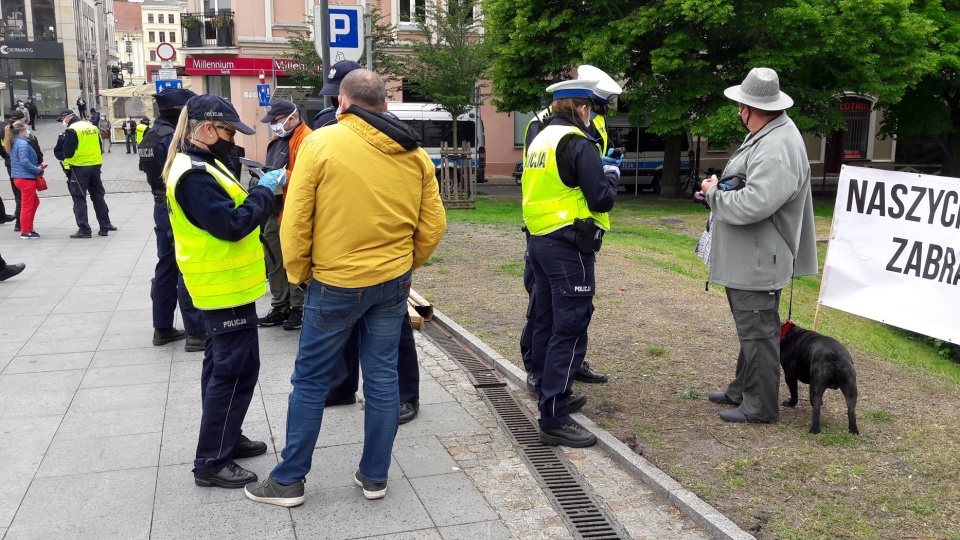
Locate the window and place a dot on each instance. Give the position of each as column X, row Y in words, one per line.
column 170, row 19
column 163, row 37
column 520, row 121
column 409, row 94
column 218, row 85
column 150, row 18
column 129, row 47
column 412, row 11
column 152, row 37
column 468, row 8
column 153, row 56
column 44, row 20
column 856, row 113
column 173, row 37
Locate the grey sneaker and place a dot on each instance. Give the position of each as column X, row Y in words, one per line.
column 371, row 490
column 272, row 492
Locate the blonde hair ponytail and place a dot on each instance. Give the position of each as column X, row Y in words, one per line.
column 178, row 137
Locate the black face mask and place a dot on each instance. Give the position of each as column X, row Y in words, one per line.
column 742, row 121
column 221, row 148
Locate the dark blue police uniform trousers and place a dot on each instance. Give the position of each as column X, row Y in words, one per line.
column 526, row 336
column 231, row 366
column 346, row 378
column 83, row 180
column 564, row 290
column 167, row 286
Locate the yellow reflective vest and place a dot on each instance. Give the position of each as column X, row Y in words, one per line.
column 141, row 129
column 548, row 204
column 598, row 120
column 218, row 273
column 88, row 145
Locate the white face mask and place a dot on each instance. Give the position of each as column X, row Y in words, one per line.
column 66, row 123
column 336, row 114
column 278, row 128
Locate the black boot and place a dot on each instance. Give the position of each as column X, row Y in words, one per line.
column 162, row 336
column 571, row 435
column 246, row 448
column 587, row 375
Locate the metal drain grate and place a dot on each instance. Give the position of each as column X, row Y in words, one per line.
column 565, row 489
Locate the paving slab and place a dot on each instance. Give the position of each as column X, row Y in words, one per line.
column 452, row 499
column 71, row 456
column 344, row 513
column 230, row 519
column 48, row 362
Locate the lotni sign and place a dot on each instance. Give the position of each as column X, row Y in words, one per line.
column 343, row 31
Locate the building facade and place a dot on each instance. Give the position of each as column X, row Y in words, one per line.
column 55, row 51
column 132, row 69
column 161, row 24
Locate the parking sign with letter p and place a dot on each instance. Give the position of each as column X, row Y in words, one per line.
column 343, row 31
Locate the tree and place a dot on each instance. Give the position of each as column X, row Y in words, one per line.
column 676, row 57
column 447, row 58
column 304, row 52
column 932, row 106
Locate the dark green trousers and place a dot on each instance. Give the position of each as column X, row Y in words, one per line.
column 757, row 383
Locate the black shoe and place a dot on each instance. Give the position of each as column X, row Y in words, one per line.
column 232, row 476
column 109, row 228
column 16, row 226
column 195, row 343
column 7, row 218
column 81, row 234
column 246, row 448
column 587, row 375
column 576, row 402
column 275, row 317
column 531, row 383
column 272, row 492
column 734, row 415
column 103, row 232
column 721, row 398
column 371, row 490
column 162, row 336
column 408, row 411
column 11, row 270
column 571, row 435
column 333, row 402
column 294, row 320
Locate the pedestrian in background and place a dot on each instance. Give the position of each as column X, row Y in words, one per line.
column 356, row 261
column 78, row 148
column 26, row 168
column 106, row 133
column 167, row 288
column 762, row 235
column 567, row 194
column 142, row 128
column 35, row 144
column 130, row 132
column 82, row 107
column 94, row 117
column 216, row 232
column 331, row 87
column 34, row 112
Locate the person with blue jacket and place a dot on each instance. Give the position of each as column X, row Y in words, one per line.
column 24, row 169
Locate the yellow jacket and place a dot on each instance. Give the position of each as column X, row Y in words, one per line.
column 365, row 206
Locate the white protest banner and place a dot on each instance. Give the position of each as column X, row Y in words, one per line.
column 893, row 254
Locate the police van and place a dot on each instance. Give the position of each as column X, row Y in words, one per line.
column 435, row 126
column 643, row 151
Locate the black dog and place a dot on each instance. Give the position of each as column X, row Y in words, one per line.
column 822, row 362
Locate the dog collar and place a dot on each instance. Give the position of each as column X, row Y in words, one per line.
column 785, row 328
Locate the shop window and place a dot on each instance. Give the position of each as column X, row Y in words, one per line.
column 150, row 18
column 152, row 37
column 218, row 85
column 856, row 114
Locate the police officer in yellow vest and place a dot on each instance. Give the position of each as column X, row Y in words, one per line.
column 567, row 193
column 142, row 128
column 81, row 156
column 605, row 91
column 216, row 232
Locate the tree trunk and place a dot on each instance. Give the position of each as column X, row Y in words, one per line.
column 951, row 163
column 670, row 175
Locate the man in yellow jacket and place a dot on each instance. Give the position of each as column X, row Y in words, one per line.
column 363, row 213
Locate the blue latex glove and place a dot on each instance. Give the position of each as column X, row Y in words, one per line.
column 608, row 160
column 273, row 179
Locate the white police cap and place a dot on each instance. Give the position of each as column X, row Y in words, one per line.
column 573, row 88
column 606, row 88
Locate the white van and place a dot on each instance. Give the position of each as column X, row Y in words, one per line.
column 436, row 126
column 642, row 164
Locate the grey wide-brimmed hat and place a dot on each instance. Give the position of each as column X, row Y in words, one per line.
column 760, row 90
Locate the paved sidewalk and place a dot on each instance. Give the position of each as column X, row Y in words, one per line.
column 98, row 427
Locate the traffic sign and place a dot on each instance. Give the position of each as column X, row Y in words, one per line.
column 166, row 51
column 263, row 93
column 167, row 74
column 164, row 85
column 166, row 64
column 344, row 32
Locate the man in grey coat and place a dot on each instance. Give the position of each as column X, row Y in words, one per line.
column 763, row 235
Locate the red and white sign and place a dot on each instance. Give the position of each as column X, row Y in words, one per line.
column 232, row 65
column 166, row 51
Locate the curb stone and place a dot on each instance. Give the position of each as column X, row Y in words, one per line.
column 692, row 506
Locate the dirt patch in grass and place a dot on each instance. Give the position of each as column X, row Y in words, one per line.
column 666, row 342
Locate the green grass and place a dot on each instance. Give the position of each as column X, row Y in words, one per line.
column 656, row 351
column 513, row 269
column 657, row 245
column 880, row 415
column 690, row 393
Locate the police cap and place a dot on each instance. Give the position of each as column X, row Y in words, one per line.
column 334, row 76
column 606, row 89
column 214, row 108
column 574, row 88
column 173, row 97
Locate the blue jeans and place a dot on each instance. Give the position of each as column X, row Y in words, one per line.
column 329, row 316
